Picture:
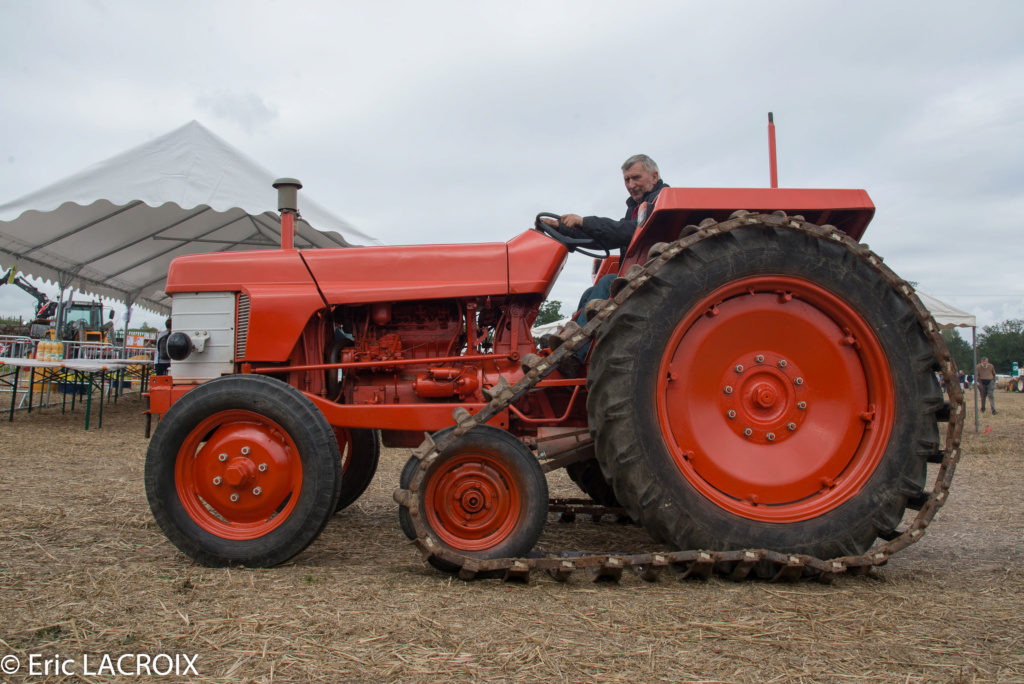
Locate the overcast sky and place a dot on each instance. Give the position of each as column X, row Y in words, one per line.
column 459, row 121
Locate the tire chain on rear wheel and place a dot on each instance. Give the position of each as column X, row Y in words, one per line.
column 693, row 563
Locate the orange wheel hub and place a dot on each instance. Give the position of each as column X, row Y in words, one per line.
column 775, row 399
column 238, row 475
column 472, row 502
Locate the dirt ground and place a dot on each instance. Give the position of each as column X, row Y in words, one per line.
column 85, row 572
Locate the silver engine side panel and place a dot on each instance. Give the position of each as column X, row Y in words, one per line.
column 205, row 312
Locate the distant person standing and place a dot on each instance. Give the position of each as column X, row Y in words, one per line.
column 986, row 375
column 163, row 361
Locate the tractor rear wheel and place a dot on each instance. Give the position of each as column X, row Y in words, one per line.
column 766, row 389
column 243, row 470
column 484, row 497
column 360, row 454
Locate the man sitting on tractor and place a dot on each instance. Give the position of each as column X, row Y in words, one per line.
column 644, row 184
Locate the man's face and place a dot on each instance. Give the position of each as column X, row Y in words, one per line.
column 639, row 181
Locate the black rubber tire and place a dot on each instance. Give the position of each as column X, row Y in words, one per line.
column 318, row 451
column 523, row 466
column 363, row 457
column 622, row 403
column 588, row 477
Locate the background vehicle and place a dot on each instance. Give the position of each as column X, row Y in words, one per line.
column 760, row 388
column 79, row 321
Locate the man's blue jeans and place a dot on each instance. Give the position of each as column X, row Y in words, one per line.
column 600, row 290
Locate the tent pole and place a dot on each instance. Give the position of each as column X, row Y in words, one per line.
column 63, row 282
column 974, row 344
column 124, row 339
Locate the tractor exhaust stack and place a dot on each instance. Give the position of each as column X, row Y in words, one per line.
column 771, row 151
column 288, row 205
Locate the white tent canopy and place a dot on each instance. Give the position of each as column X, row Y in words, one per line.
column 113, row 228
column 549, row 328
column 947, row 315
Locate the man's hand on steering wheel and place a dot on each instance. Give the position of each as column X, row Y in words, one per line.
column 567, row 229
column 571, row 221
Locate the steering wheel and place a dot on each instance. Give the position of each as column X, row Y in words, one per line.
column 563, row 234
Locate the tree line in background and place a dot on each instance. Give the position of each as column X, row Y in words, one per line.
column 550, row 311
column 1002, row 343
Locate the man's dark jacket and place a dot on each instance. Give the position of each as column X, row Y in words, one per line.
column 619, row 234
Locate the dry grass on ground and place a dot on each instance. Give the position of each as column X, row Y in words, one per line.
column 83, row 569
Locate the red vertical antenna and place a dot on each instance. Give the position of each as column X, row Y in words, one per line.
column 771, row 151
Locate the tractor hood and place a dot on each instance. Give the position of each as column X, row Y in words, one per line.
column 527, row 264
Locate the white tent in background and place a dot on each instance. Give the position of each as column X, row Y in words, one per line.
column 113, row 228
column 948, row 316
column 539, row 331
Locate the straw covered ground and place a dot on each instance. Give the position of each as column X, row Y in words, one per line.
column 85, row 572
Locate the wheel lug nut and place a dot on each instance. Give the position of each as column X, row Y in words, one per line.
column 801, row 405
column 731, row 414
column 234, row 497
column 263, row 467
column 245, row 451
column 728, row 389
column 782, row 363
column 759, row 358
column 770, row 436
column 748, row 432
column 791, row 427
column 222, row 458
column 739, row 369
column 216, row 480
column 799, row 381
column 257, row 491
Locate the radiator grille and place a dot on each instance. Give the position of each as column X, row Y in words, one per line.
column 242, row 326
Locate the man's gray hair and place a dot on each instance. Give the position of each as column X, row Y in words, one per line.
column 643, row 160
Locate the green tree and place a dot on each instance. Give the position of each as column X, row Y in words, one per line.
column 960, row 350
column 1003, row 343
column 550, row 311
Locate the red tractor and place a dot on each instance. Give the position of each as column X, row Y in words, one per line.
column 759, row 393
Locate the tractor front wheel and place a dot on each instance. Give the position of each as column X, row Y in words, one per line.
column 243, row 470
column 484, row 497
